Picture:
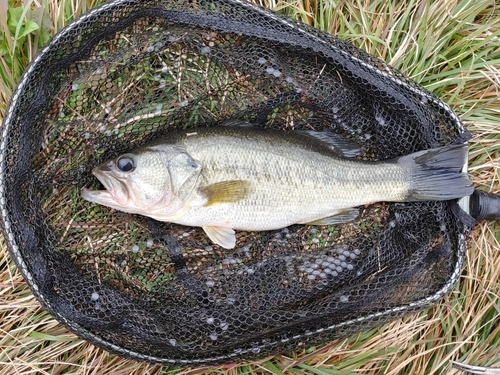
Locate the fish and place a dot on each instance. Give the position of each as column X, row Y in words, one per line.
column 247, row 178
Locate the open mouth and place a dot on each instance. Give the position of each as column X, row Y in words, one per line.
column 114, row 195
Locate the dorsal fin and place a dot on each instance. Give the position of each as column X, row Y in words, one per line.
column 338, row 144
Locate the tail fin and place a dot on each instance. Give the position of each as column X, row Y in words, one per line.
column 437, row 173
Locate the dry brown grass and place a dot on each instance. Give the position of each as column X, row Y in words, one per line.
column 450, row 46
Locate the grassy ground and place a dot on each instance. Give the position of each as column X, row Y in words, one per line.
column 452, row 47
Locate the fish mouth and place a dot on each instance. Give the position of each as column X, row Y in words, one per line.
column 116, row 194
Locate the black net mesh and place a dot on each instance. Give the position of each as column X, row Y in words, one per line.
column 132, row 70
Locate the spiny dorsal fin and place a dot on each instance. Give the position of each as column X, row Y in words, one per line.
column 227, row 191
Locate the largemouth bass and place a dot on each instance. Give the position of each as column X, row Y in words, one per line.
column 252, row 179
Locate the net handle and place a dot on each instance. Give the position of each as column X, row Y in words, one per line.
column 484, row 205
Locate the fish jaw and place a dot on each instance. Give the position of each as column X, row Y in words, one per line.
column 116, row 194
column 103, row 197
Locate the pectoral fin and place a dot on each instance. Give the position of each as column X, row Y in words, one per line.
column 222, row 236
column 341, row 217
column 227, row 191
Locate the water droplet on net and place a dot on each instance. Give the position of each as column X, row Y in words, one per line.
column 344, row 299
column 135, row 249
column 210, row 283
column 261, row 60
column 380, row 119
column 94, row 296
column 158, row 109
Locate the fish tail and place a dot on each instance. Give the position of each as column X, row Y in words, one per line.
column 437, row 174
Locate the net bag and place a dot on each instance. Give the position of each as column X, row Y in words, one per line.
column 130, row 71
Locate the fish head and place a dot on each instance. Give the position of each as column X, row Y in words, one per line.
column 154, row 182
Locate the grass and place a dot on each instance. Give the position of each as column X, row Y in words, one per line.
column 452, row 47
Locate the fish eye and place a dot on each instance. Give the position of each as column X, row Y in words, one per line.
column 125, row 163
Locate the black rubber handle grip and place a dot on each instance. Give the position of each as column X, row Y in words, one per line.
column 484, row 206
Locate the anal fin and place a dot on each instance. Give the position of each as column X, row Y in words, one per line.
column 344, row 216
column 222, row 236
